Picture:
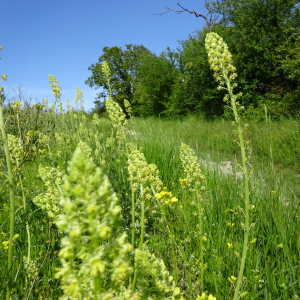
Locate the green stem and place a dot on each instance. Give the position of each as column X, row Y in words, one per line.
column 201, row 236
column 27, row 227
column 133, row 216
column 174, row 259
column 12, row 197
column 142, row 225
column 246, row 182
column 19, row 125
column 141, row 242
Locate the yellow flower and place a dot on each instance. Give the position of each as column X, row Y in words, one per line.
column 204, row 238
column 166, row 197
column 233, row 278
column 280, row 245
column 230, row 224
column 230, row 246
column 5, row 245
column 16, row 105
column 203, row 297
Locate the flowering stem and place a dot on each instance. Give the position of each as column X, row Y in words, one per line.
column 201, row 241
column 245, row 172
column 12, row 197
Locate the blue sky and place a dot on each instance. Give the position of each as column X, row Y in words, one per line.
column 63, row 38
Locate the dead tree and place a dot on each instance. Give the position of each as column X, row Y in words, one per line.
column 209, row 18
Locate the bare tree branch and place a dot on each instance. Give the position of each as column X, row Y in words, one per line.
column 210, row 20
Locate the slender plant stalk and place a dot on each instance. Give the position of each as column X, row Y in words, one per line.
column 246, row 182
column 220, row 60
column 174, row 259
column 142, row 225
column 27, row 226
column 132, row 213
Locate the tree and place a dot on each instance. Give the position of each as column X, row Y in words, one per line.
column 123, row 64
column 256, row 32
column 156, row 76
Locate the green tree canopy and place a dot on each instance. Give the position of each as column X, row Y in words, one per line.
column 155, row 81
column 256, row 31
column 123, row 64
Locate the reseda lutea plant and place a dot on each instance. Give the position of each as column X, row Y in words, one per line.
column 194, row 180
column 94, row 261
column 220, row 61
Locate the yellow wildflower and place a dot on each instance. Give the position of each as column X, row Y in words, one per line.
column 5, row 245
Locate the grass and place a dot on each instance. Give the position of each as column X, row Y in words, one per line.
column 272, row 265
column 276, row 200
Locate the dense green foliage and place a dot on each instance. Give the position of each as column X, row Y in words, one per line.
column 123, row 65
column 263, row 37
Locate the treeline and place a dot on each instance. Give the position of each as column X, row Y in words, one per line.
column 263, row 37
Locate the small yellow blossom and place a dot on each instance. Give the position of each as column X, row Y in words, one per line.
column 230, row 224
column 166, row 197
column 203, row 297
column 5, row 245
column 16, row 105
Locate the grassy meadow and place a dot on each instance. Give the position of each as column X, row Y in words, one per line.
column 272, row 264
